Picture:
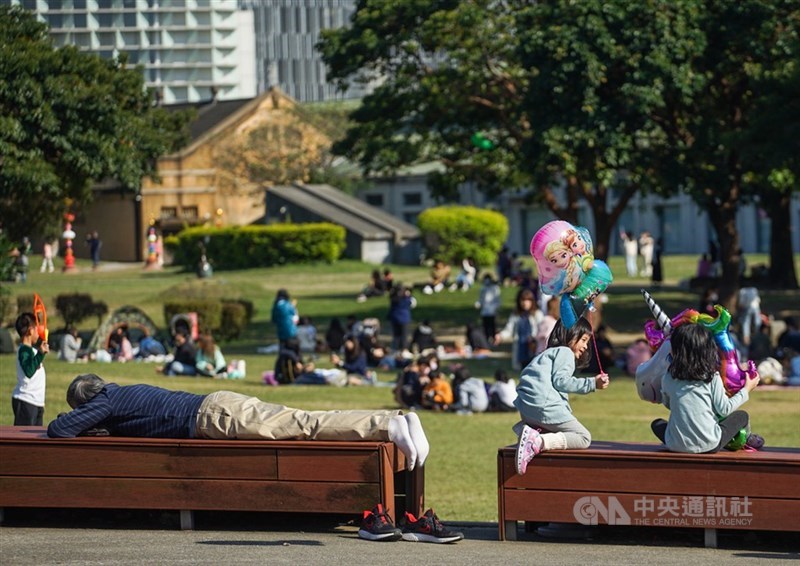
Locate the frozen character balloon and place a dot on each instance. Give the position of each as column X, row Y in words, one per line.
column 565, row 260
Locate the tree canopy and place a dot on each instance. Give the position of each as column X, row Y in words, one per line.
column 68, row 119
column 600, row 99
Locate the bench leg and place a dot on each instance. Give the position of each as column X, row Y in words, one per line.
column 510, row 530
column 187, row 520
column 710, row 538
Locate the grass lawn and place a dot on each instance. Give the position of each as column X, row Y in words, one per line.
column 461, row 470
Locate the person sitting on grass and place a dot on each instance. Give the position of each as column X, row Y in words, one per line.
column 502, row 393
column 440, row 276
column 152, row 412
column 423, row 338
column 375, row 288
column 209, row 360
column 184, row 358
column 437, row 395
column 354, row 362
column 469, row 393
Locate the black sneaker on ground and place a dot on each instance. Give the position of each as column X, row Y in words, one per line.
column 428, row 528
column 376, row 525
column 755, row 441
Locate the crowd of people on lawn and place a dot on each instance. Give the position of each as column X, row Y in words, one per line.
column 547, row 360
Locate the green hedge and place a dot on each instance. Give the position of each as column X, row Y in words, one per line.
column 452, row 233
column 241, row 247
column 209, row 312
column 226, row 319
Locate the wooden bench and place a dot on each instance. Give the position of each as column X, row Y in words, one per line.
column 617, row 483
column 193, row 475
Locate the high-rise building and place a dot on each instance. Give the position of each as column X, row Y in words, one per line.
column 286, row 33
column 190, row 50
column 196, row 50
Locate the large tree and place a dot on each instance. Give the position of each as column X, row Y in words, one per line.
column 68, row 119
column 560, row 94
column 772, row 151
column 750, row 49
column 599, row 73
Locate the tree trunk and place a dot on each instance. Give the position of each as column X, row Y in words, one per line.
column 782, row 272
column 605, row 221
column 723, row 218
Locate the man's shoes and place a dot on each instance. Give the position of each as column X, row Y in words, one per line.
column 529, row 445
column 376, row 525
column 754, row 441
column 428, row 528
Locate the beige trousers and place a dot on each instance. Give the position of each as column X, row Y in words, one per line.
column 232, row 416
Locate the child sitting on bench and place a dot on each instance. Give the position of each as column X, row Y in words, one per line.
column 542, row 394
column 693, row 392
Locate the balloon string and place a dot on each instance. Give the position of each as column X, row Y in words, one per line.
column 594, row 342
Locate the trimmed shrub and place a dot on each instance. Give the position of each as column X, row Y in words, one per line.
column 74, row 307
column 6, row 304
column 249, row 308
column 452, row 233
column 226, row 319
column 234, row 321
column 24, row 303
column 209, row 312
column 241, row 247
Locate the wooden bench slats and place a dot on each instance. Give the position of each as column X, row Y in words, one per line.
column 627, row 473
column 557, row 506
column 635, row 475
column 199, row 474
column 129, row 493
column 298, row 465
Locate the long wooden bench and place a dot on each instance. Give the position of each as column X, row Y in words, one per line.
column 194, row 475
column 617, row 483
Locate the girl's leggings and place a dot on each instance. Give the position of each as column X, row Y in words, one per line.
column 570, row 435
column 730, row 425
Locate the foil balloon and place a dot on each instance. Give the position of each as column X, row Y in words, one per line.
column 564, row 256
column 40, row 314
column 648, row 374
column 657, row 332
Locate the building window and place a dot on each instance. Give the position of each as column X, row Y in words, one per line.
column 169, row 212
column 410, row 217
column 374, row 200
column 189, row 212
column 412, row 199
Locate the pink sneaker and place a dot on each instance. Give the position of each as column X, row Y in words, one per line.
column 529, row 445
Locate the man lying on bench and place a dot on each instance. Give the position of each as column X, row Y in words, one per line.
column 153, row 412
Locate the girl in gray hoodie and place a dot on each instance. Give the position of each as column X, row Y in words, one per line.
column 542, row 394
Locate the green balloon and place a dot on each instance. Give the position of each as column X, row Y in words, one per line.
column 738, row 441
column 481, row 142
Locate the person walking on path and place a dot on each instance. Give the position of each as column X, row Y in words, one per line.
column 47, row 257
column 94, row 242
column 646, row 245
column 631, row 252
column 284, row 316
column 401, row 301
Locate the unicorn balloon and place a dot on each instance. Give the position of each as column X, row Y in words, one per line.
column 648, row 374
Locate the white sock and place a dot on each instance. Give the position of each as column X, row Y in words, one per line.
column 400, row 435
column 418, row 436
column 554, row 441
